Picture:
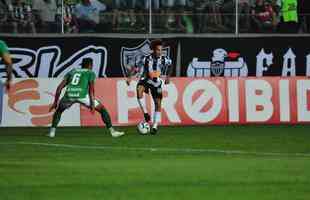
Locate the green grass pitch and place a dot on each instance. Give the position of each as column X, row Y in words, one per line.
column 180, row 163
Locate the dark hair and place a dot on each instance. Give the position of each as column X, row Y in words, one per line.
column 86, row 62
column 155, row 43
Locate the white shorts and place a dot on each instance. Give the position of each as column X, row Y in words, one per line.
column 86, row 101
column 66, row 102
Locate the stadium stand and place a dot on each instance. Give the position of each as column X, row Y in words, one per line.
column 172, row 16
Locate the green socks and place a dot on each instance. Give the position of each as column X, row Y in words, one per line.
column 56, row 118
column 106, row 118
column 104, row 115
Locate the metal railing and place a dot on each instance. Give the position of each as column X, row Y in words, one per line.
column 208, row 18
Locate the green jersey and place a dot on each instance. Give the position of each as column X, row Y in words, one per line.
column 3, row 48
column 289, row 10
column 78, row 81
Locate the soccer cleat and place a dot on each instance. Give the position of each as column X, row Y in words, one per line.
column 117, row 133
column 147, row 117
column 52, row 133
column 154, row 131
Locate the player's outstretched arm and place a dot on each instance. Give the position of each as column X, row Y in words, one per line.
column 57, row 95
column 8, row 62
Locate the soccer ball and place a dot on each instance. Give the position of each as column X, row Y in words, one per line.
column 144, row 128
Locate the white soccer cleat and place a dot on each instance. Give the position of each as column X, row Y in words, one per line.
column 117, row 134
column 52, row 133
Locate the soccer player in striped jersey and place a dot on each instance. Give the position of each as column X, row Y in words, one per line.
column 79, row 85
column 155, row 66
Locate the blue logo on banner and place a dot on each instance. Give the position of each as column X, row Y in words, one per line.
column 1, row 99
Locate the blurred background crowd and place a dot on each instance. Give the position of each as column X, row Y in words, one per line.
column 166, row 16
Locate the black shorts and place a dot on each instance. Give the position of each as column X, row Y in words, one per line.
column 156, row 91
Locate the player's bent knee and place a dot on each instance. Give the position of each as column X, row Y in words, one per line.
column 98, row 105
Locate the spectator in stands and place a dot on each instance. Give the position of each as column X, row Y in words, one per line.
column 118, row 6
column 263, row 17
column 199, row 15
column 289, row 22
column 46, row 11
column 228, row 11
column 187, row 18
column 87, row 15
column 173, row 10
column 304, row 7
column 3, row 15
column 157, row 12
column 70, row 25
column 137, row 12
column 123, row 13
column 216, row 15
column 21, row 17
column 141, row 10
column 244, row 14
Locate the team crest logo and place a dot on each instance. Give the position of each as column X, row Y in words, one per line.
column 217, row 68
column 132, row 58
column 222, row 63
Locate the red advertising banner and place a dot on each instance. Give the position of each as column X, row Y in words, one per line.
column 189, row 101
column 28, row 101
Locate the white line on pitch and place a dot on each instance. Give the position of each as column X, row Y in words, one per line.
column 160, row 149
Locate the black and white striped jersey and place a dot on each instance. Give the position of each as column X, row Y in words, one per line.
column 154, row 67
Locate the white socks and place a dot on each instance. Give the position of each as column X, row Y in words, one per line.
column 52, row 132
column 115, row 133
column 111, row 130
column 156, row 119
column 142, row 105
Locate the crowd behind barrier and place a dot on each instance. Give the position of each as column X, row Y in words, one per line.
column 167, row 16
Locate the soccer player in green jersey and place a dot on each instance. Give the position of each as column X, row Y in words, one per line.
column 79, row 85
column 7, row 60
